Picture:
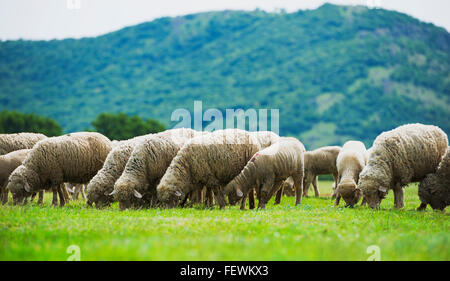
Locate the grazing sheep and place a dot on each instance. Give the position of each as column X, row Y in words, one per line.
column 13, row 142
column 8, row 163
column 74, row 158
column 102, row 184
column 148, row 162
column 321, row 161
column 268, row 168
column 434, row 189
column 350, row 162
column 212, row 160
column 265, row 139
column 398, row 157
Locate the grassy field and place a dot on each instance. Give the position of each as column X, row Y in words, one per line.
column 314, row 231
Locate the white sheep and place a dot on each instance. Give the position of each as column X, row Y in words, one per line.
column 321, row 161
column 350, row 162
column 268, row 168
column 212, row 160
column 398, row 157
column 102, row 184
column 148, row 162
column 74, row 158
column 434, row 189
column 13, row 142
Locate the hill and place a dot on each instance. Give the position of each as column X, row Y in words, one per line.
column 335, row 73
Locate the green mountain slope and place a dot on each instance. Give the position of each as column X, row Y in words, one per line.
column 335, row 73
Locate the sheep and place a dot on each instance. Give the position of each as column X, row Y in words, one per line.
column 212, row 160
column 136, row 187
column 102, row 184
column 268, row 168
column 434, row 189
column 321, row 161
column 13, row 142
column 265, row 139
column 350, row 162
column 8, row 163
column 398, row 157
column 74, row 158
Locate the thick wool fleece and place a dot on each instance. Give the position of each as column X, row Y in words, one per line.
column 102, row 184
column 148, row 162
column 350, row 162
column 74, row 158
column 434, row 189
column 401, row 156
column 13, row 142
column 212, row 160
column 269, row 167
column 321, row 161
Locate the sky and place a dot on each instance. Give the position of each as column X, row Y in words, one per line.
column 58, row 19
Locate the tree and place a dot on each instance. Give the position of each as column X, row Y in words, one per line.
column 17, row 122
column 120, row 126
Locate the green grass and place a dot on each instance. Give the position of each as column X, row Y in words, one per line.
column 313, row 231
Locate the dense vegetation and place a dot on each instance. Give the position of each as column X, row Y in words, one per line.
column 335, row 73
column 120, row 126
column 313, row 231
column 16, row 122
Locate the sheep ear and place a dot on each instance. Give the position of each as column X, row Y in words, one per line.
column 27, row 187
column 382, row 189
column 110, row 194
column 177, row 193
column 137, row 194
column 239, row 192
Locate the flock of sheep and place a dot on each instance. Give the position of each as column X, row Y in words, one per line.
column 181, row 167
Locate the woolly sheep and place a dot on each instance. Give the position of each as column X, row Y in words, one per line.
column 350, row 162
column 264, row 139
column 434, row 189
column 102, row 184
column 321, row 161
column 212, row 160
column 8, row 163
column 268, row 168
column 74, row 158
column 148, row 162
column 13, row 142
column 398, row 157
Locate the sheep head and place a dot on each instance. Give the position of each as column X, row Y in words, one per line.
column 373, row 191
column 19, row 185
column 129, row 194
column 349, row 192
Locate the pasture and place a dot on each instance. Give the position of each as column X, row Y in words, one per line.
column 313, row 231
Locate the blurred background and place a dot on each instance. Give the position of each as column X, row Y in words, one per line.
column 336, row 71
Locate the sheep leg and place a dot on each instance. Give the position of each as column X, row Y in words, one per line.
column 32, row 197
column 278, row 196
column 55, row 196
column 399, row 201
column 298, row 185
column 62, row 200
column 251, row 199
column 336, row 180
column 316, row 189
column 306, row 184
column 219, row 197
column 83, row 194
column 364, row 201
column 209, row 199
column 243, row 200
column 41, row 197
column 422, row 206
column 65, row 193
column 4, row 195
column 338, row 199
